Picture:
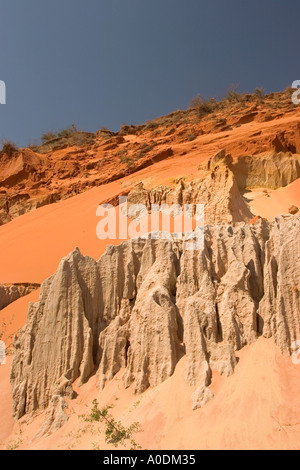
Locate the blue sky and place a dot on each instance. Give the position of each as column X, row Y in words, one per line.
column 107, row 62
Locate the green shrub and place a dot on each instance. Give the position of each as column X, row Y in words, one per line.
column 68, row 131
column 146, row 148
column 259, row 92
column 203, row 106
column 65, row 133
column 47, row 136
column 232, row 95
column 128, row 161
column 115, row 432
column 8, row 147
column 152, row 125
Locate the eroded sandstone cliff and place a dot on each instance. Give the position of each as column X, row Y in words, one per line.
column 147, row 302
column 217, row 190
column 11, row 292
column 270, row 170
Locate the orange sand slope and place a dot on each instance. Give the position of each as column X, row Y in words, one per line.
column 7, row 421
column 256, row 408
column 276, row 202
column 32, row 245
column 14, row 315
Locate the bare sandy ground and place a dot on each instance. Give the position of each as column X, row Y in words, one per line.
column 256, row 408
column 275, row 202
column 7, row 421
column 32, row 245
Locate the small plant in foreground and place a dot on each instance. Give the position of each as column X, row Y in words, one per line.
column 14, row 445
column 115, row 432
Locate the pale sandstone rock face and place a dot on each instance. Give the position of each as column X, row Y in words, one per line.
column 280, row 306
column 143, row 334
column 56, row 417
column 217, row 190
column 270, row 170
column 146, row 303
column 58, row 343
column 11, row 292
column 200, row 397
